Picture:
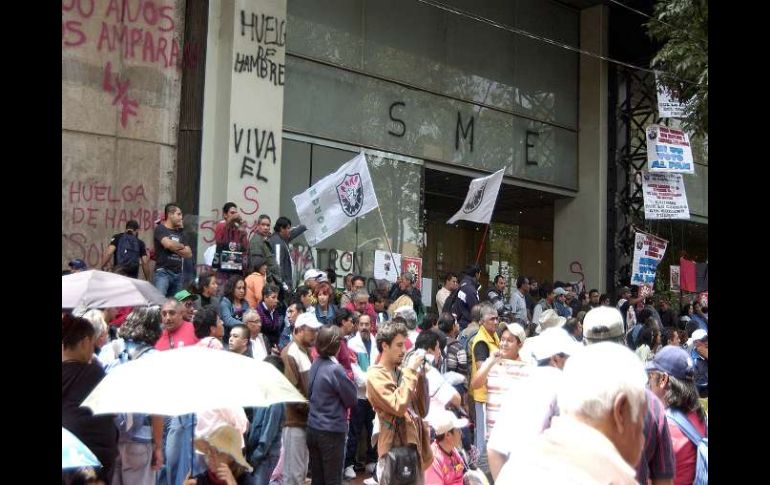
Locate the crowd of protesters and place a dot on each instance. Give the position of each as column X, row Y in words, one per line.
column 549, row 385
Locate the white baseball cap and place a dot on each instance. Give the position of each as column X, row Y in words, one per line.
column 308, row 319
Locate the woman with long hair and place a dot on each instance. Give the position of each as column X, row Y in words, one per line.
column 233, row 304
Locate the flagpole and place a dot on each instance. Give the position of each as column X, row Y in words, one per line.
column 481, row 246
column 387, row 240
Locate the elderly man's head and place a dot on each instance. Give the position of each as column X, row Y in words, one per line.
column 360, row 300
column 604, row 387
column 409, row 315
column 488, row 317
column 171, row 314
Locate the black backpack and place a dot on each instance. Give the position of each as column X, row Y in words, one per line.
column 450, row 303
column 127, row 254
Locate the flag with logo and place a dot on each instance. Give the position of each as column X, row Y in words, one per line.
column 481, row 198
column 336, row 200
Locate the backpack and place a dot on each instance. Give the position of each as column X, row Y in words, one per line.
column 449, row 303
column 466, row 342
column 701, row 444
column 127, row 254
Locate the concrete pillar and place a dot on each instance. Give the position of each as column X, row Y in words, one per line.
column 580, row 224
column 242, row 112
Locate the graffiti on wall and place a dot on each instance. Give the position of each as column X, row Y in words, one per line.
column 95, row 207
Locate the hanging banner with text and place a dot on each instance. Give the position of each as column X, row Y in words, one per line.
column 385, row 267
column 668, row 150
column 648, row 252
column 414, row 266
column 664, row 196
column 256, row 106
column 668, row 104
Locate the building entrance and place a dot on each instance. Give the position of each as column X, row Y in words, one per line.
column 519, row 241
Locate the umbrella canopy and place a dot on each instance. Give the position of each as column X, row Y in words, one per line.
column 189, row 380
column 100, row 289
column 74, row 453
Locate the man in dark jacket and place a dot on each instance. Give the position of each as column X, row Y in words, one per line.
column 467, row 295
column 279, row 243
column 259, row 245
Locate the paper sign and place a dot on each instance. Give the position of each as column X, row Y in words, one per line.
column 668, row 150
column 668, row 104
column 386, row 268
column 674, row 273
column 427, row 291
column 664, row 196
column 648, row 252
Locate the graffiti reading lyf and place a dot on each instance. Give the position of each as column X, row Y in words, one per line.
column 120, row 90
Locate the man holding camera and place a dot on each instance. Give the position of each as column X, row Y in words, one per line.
column 231, row 244
column 399, row 395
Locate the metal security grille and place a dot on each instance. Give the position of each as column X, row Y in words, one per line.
column 633, row 106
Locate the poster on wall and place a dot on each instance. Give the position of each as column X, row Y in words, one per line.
column 668, row 150
column 669, row 105
column 385, row 267
column 664, row 196
column 674, row 274
column 414, row 266
column 648, row 252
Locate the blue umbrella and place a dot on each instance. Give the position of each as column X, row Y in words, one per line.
column 74, row 453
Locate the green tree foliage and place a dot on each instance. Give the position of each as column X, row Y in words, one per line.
column 681, row 26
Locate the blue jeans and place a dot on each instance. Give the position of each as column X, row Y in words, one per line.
column 168, row 282
column 361, row 416
column 264, row 468
column 178, row 450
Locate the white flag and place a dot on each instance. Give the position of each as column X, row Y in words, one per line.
column 481, row 198
column 336, row 200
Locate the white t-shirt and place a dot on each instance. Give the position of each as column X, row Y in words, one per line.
column 528, row 406
column 440, row 391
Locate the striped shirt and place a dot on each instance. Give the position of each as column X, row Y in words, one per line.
column 658, row 457
column 501, row 378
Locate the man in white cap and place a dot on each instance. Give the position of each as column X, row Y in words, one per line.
column 605, row 324
column 297, row 362
column 314, row 276
column 598, row 436
column 560, row 303
column 448, row 466
column 548, row 319
column 530, row 404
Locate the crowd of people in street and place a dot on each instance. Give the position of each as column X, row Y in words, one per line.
column 551, row 384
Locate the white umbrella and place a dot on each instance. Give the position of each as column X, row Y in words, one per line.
column 189, row 380
column 100, row 289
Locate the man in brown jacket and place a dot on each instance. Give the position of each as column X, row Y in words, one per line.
column 297, row 362
column 403, row 404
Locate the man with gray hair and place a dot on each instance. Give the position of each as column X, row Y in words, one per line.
column 598, row 437
column 605, row 324
column 410, row 316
